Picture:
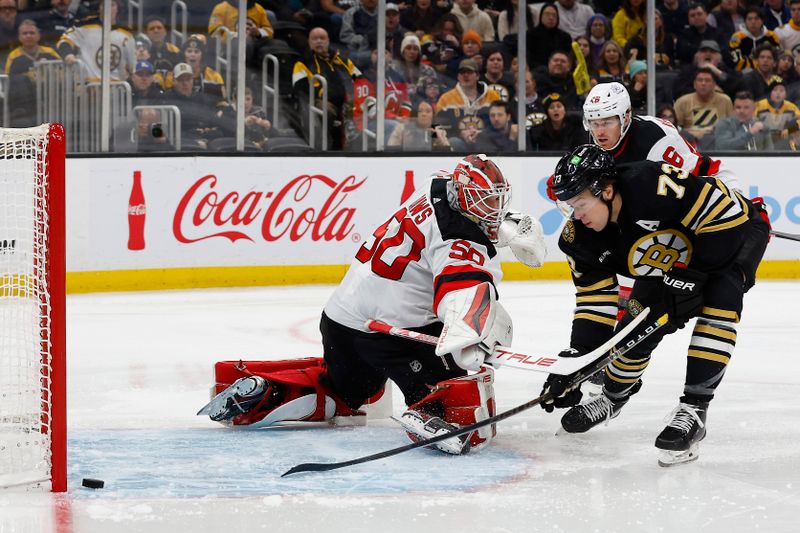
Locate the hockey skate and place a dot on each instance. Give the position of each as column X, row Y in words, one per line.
column 593, row 386
column 588, row 414
column 420, row 425
column 240, row 397
column 679, row 442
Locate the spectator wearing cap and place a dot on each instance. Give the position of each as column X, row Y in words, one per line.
column 637, row 86
column 707, row 56
column 546, row 38
column 84, row 42
column 473, row 18
column 559, row 131
column 471, row 45
column 628, row 21
column 21, row 71
column 776, row 13
column 163, row 54
column 55, row 21
column 785, row 67
column 198, row 123
column 358, row 23
column 340, row 73
column 421, row 17
column 557, row 78
column 742, row 131
column 465, row 108
column 226, row 14
column 699, row 111
column 757, row 80
column 696, row 31
column 146, row 88
column 499, row 133
column 573, row 16
column 409, row 68
column 780, row 117
column 143, row 46
column 746, row 40
column 496, row 75
column 789, row 33
column 394, row 31
column 205, row 79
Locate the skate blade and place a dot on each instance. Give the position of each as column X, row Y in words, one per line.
column 667, row 458
column 220, row 400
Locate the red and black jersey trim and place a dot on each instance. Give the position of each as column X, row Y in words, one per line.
column 455, row 278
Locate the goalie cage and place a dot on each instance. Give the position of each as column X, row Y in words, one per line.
column 33, row 448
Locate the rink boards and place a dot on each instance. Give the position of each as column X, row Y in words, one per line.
column 247, row 221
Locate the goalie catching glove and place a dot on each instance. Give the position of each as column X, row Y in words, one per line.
column 474, row 324
column 524, row 236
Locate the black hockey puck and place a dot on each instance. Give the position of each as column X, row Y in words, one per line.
column 91, row 483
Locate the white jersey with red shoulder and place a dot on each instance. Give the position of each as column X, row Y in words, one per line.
column 655, row 139
column 425, row 250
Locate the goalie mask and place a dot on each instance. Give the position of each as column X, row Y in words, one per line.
column 481, row 193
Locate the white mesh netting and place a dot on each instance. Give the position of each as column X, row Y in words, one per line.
column 24, row 308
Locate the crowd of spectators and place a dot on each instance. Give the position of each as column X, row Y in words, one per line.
column 727, row 71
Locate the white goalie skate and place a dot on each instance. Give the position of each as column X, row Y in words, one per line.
column 237, row 399
column 420, row 425
column 680, row 441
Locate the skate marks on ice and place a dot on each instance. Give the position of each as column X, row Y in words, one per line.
column 200, row 463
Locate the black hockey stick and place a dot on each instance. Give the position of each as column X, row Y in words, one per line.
column 578, row 377
column 784, row 235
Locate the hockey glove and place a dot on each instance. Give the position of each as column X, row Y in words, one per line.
column 761, row 207
column 559, row 386
column 683, row 293
column 523, row 234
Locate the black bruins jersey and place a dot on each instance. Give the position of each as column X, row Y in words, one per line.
column 667, row 215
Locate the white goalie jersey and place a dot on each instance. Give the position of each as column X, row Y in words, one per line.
column 424, row 251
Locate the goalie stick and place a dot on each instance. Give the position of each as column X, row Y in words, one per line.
column 504, row 355
column 578, row 378
column 784, row 235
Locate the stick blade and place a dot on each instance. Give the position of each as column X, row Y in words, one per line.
column 310, row 467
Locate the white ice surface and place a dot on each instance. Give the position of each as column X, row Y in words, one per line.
column 140, row 367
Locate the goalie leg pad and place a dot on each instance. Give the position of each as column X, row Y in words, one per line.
column 295, row 391
column 458, row 402
column 474, row 324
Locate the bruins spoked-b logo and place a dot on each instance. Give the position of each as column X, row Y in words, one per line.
column 656, row 252
column 568, row 233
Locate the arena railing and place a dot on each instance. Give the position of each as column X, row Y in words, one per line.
column 314, row 112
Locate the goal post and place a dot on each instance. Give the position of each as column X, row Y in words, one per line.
column 33, row 421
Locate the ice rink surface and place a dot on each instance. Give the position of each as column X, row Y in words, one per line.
column 140, row 368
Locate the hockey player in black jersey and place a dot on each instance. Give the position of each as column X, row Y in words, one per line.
column 692, row 246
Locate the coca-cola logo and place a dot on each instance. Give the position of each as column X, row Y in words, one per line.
column 308, row 205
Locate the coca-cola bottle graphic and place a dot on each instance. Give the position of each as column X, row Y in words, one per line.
column 136, row 214
column 408, row 188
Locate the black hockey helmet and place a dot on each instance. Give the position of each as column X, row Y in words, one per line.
column 587, row 167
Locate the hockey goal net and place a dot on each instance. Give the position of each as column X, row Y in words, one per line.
column 32, row 308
